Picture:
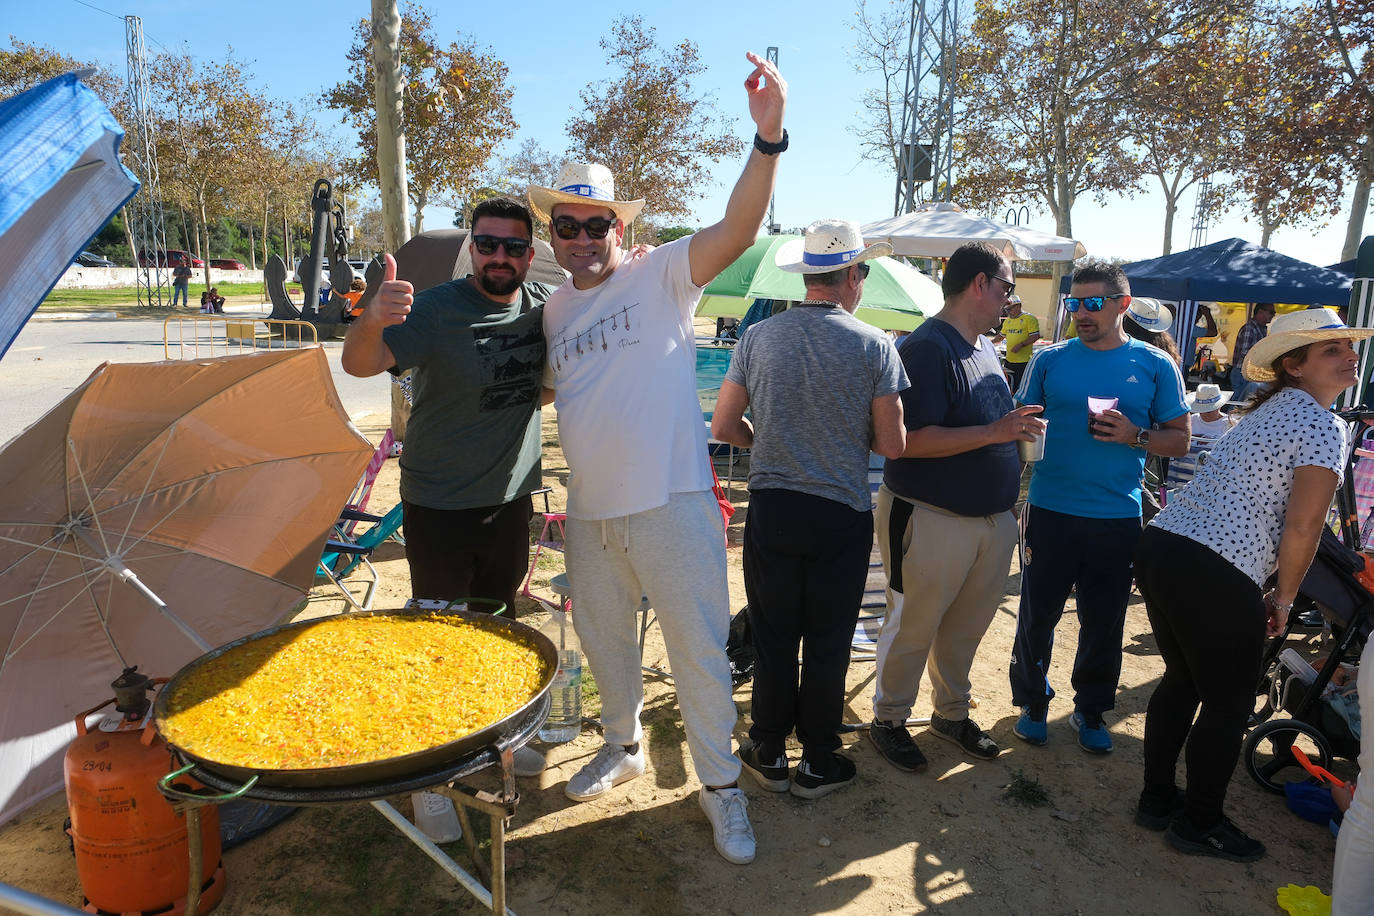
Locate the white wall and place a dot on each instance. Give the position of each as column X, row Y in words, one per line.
column 78, row 277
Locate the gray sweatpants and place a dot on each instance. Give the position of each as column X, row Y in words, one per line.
column 675, row 555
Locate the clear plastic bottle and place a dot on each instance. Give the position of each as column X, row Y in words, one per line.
column 565, row 707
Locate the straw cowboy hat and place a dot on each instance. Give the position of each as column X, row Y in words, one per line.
column 1149, row 314
column 829, row 244
column 1293, row 330
column 582, row 183
column 1207, row 398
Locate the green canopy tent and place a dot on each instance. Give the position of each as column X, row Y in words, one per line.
column 896, row 297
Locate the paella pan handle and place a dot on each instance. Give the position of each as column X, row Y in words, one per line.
column 167, row 788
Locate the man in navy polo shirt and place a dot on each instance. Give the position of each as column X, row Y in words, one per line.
column 1083, row 518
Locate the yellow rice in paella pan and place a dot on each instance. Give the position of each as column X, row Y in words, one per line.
column 350, row 690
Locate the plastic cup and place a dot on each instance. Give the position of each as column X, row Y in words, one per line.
column 1035, row 449
column 1097, row 406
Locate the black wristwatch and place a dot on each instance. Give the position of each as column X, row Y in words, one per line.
column 770, row 149
column 1142, row 438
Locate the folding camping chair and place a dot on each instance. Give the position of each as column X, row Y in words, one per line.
column 357, row 500
column 344, row 553
column 551, row 537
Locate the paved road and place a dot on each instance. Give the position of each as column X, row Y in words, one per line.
column 52, row 357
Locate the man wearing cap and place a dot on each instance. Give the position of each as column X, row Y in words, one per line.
column 1250, row 333
column 1020, row 330
column 641, row 516
column 1083, row 518
column 823, row 388
column 1209, row 423
column 945, row 527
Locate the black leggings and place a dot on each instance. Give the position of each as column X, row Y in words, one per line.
column 1208, row 619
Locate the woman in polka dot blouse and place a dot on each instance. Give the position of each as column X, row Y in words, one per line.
column 1255, row 507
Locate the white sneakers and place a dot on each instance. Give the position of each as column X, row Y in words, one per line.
column 726, row 809
column 436, row 817
column 611, row 766
column 528, row 761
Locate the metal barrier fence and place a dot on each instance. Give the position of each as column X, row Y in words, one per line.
column 202, row 336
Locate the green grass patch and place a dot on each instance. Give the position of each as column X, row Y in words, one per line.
column 128, row 295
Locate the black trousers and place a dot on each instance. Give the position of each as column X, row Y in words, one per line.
column 805, row 564
column 468, row 553
column 1208, row 618
column 1016, row 372
column 1064, row 552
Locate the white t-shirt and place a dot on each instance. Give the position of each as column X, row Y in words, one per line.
column 622, row 363
column 1236, row 503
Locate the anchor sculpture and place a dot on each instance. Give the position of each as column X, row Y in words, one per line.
column 330, row 319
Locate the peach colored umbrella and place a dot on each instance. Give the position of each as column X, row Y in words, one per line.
column 160, row 510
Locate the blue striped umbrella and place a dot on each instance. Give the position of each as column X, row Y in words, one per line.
column 60, row 181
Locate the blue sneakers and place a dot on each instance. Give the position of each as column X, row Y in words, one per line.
column 1030, row 729
column 1092, row 733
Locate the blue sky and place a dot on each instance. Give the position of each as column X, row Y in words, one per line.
column 296, row 49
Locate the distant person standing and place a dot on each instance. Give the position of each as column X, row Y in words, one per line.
column 1251, row 333
column 181, row 283
column 823, row 387
column 1020, row 330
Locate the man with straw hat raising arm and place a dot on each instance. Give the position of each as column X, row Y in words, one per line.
column 824, row 391
column 641, row 515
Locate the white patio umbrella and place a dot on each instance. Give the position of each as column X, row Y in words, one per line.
column 936, row 230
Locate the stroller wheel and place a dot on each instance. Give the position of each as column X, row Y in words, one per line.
column 1268, row 754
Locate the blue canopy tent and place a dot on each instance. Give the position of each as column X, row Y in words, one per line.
column 1232, row 270
column 60, row 181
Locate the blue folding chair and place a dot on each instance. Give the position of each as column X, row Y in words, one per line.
column 343, row 554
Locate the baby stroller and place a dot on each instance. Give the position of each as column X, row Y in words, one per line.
column 1330, row 595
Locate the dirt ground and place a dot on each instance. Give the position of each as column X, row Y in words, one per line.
column 959, row 838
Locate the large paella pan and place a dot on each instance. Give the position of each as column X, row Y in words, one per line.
column 357, row 699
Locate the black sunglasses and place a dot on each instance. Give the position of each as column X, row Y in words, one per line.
column 1011, row 287
column 864, row 267
column 1091, row 303
column 569, row 228
column 487, row 245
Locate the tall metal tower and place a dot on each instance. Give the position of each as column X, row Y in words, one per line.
column 1202, row 211
column 926, row 154
column 145, row 210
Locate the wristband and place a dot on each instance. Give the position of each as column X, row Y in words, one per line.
column 1285, row 608
column 770, row 149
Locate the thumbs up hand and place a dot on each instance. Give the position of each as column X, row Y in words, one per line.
column 394, row 297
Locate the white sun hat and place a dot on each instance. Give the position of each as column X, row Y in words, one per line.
column 582, row 183
column 1207, row 398
column 1150, row 314
column 829, row 244
column 1293, row 330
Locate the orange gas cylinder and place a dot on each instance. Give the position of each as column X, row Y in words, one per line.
column 131, row 849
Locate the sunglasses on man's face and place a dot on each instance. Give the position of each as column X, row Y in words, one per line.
column 568, row 228
column 1091, row 303
column 487, row 244
column 864, row 268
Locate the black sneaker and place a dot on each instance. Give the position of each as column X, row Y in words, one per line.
column 1153, row 814
column 895, row 744
column 965, row 733
column 808, row 783
column 1224, row 841
column 772, row 775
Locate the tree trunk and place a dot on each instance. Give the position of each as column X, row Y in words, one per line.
column 129, row 237
column 1170, row 208
column 421, row 200
column 1359, row 205
column 252, row 249
column 202, row 228
column 391, row 138
column 265, row 198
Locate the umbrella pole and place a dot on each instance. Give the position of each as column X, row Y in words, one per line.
column 116, row 566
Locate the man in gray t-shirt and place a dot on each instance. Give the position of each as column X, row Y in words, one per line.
column 472, row 444
column 823, row 388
